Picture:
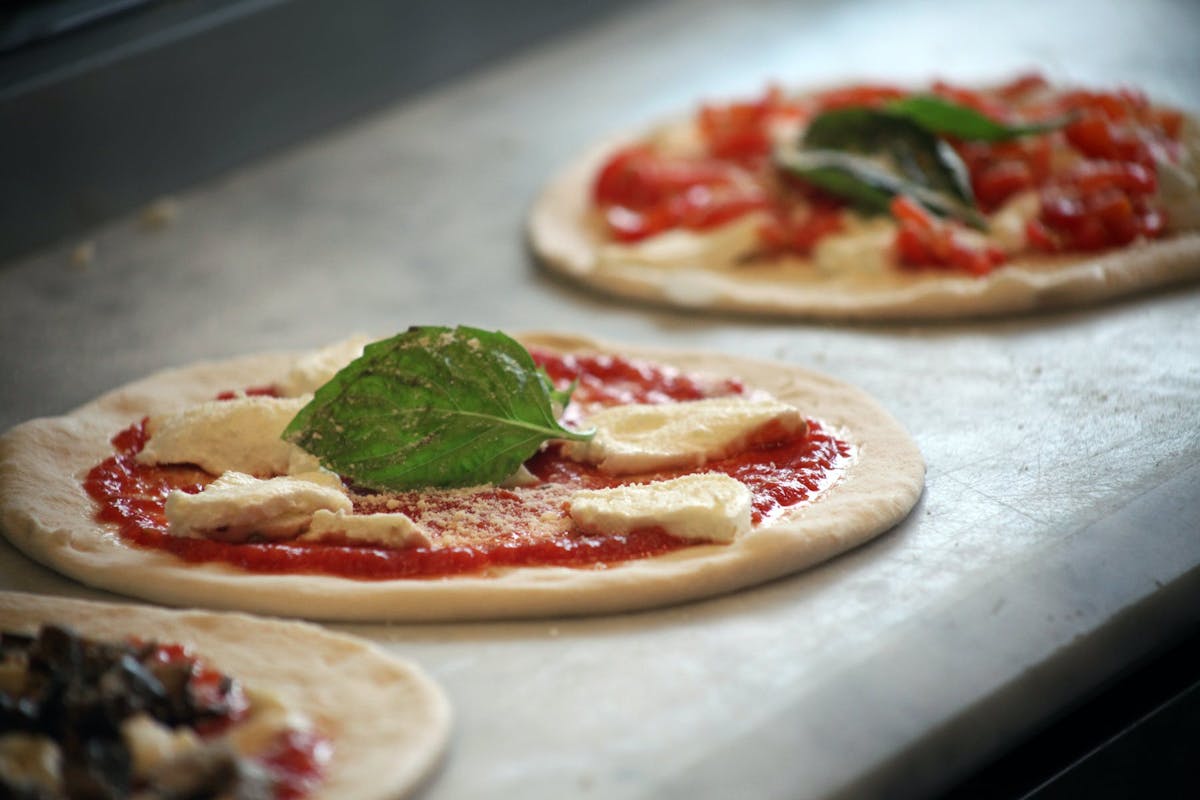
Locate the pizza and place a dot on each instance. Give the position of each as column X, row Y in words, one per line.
column 456, row 473
column 876, row 201
column 107, row 700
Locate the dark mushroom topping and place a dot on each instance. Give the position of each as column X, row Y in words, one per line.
column 78, row 693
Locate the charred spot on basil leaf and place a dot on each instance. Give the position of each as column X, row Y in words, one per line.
column 947, row 118
column 917, row 154
column 868, row 185
column 432, row 407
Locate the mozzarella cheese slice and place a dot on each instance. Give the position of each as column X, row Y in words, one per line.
column 151, row 743
column 237, row 506
column 641, row 438
column 386, row 529
column 708, row 506
column 719, row 248
column 269, row 716
column 238, row 435
column 30, row 761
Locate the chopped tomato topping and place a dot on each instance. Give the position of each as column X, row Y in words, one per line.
column 638, row 178
column 297, row 760
column 741, row 131
column 799, row 231
column 697, row 209
column 1038, row 237
column 999, row 170
column 642, row 193
column 1097, row 205
column 1094, row 176
column 999, row 181
column 1097, row 137
column 1022, row 85
column 924, row 240
column 867, row 95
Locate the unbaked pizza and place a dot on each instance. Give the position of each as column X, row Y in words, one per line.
column 450, row 473
column 875, row 201
column 113, row 701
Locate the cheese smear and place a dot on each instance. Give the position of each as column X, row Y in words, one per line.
column 30, row 761
column 269, row 716
column 240, row 435
column 152, row 744
column 387, row 529
column 640, row 438
column 237, row 506
column 709, row 506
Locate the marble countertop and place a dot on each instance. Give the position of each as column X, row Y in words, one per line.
column 1056, row 542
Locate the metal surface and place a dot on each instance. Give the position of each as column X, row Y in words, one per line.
column 1057, row 540
column 98, row 120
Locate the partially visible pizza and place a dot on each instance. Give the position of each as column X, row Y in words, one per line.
column 876, row 201
column 450, row 473
column 100, row 700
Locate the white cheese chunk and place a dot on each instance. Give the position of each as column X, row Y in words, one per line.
column 387, row 529
column 863, row 246
column 522, row 477
column 313, row 370
column 639, row 438
column 708, row 506
column 1179, row 184
column 30, row 762
column 237, row 506
column 721, row 247
column 151, row 743
column 240, row 435
column 1008, row 225
column 269, row 716
column 13, row 674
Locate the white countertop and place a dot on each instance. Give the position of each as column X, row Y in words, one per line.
column 1057, row 539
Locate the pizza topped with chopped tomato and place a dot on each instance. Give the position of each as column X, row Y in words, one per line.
column 874, row 200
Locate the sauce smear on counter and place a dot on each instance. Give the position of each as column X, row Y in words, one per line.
column 511, row 525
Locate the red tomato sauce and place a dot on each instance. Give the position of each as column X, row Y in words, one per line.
column 296, row 760
column 132, row 495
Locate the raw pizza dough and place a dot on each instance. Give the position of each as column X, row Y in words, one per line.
column 46, row 513
column 567, row 234
column 388, row 722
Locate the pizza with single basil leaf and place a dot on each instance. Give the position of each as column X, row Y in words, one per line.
column 451, row 473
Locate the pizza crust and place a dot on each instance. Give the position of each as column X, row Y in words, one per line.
column 389, row 723
column 566, row 233
column 47, row 514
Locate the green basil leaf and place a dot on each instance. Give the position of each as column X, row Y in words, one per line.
column 869, row 185
column 431, row 407
column 947, row 118
column 917, row 154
